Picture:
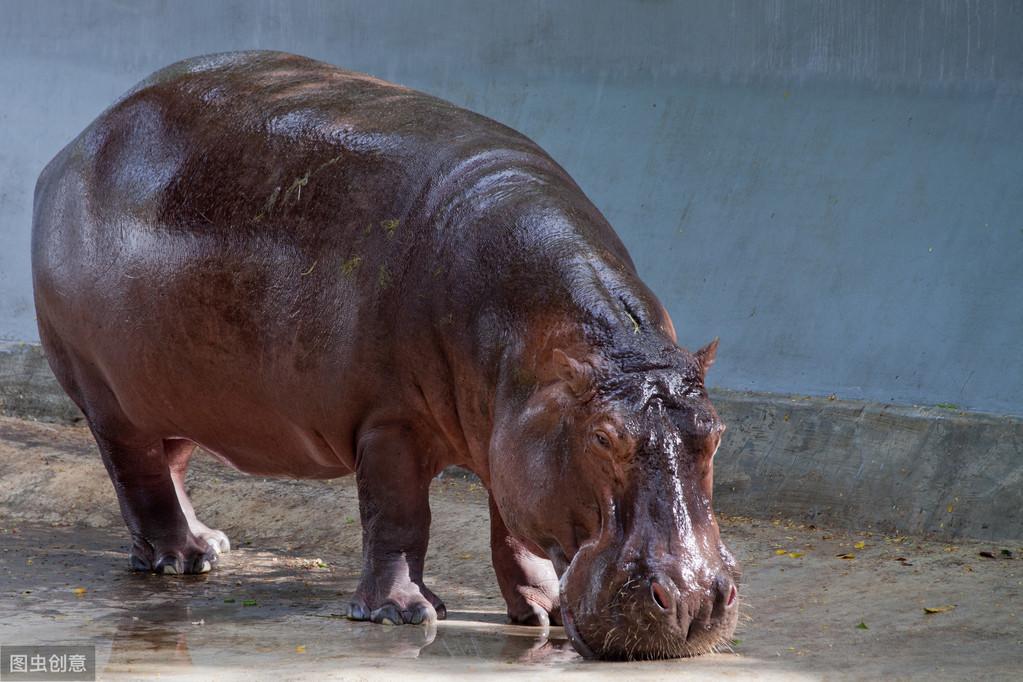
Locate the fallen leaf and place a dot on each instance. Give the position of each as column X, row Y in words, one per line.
column 939, row 609
column 860, row 545
column 950, row 509
column 300, row 649
column 1007, row 553
column 986, row 555
column 847, row 555
column 79, row 591
column 862, row 626
column 229, row 600
column 795, row 555
column 248, row 602
column 779, row 552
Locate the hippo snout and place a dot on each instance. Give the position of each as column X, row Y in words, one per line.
column 666, row 610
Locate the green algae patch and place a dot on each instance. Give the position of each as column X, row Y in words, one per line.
column 349, row 267
column 268, row 207
column 384, row 277
column 296, row 188
column 635, row 324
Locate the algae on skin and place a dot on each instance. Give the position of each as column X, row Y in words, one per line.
column 268, row 207
column 383, row 277
column 297, row 185
column 635, row 324
column 351, row 265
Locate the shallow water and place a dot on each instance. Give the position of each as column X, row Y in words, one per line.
column 257, row 616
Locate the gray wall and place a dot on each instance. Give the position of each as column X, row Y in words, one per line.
column 834, row 188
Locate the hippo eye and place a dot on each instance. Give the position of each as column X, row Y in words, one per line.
column 603, row 440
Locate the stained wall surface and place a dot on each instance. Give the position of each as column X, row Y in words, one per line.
column 835, row 189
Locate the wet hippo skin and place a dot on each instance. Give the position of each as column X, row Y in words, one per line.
column 311, row 273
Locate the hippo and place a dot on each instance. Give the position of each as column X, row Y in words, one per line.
column 310, row 272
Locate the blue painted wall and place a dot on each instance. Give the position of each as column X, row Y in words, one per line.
column 834, row 188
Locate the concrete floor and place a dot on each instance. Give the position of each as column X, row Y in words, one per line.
column 267, row 611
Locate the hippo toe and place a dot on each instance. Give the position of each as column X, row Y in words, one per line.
column 216, row 539
column 193, row 556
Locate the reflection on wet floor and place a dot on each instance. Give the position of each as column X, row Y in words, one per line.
column 166, row 636
column 272, row 614
column 258, row 610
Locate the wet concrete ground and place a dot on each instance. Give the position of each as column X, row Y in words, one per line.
column 268, row 610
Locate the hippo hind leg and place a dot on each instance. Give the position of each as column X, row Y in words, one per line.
column 161, row 539
column 394, row 486
column 178, row 452
column 138, row 467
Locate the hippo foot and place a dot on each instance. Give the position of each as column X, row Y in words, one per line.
column 216, row 539
column 402, row 604
column 194, row 555
column 535, row 606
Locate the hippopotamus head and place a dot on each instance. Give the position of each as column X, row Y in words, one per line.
column 608, row 467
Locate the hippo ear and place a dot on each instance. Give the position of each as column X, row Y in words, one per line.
column 578, row 375
column 705, row 356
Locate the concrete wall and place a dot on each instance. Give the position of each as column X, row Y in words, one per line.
column 834, row 188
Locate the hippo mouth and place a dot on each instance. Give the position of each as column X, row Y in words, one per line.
column 568, row 621
column 567, row 617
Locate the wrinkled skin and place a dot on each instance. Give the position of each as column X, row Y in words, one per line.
column 313, row 273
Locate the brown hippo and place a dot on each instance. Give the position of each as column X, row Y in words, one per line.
column 311, row 273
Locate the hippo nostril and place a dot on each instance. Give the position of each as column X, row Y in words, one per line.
column 661, row 596
column 726, row 593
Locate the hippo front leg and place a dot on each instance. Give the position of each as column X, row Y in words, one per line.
column 394, row 486
column 528, row 581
